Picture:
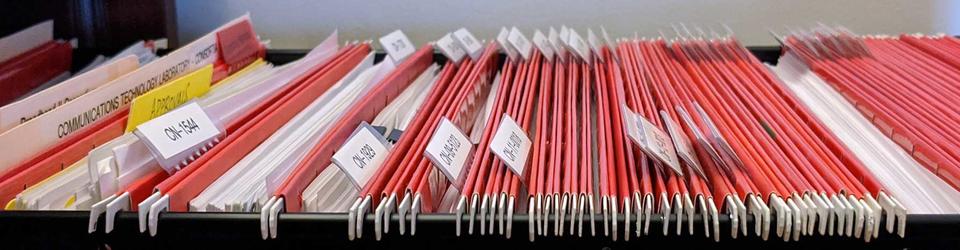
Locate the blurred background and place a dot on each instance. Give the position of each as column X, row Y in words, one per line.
column 108, row 25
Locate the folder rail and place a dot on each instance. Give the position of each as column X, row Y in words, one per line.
column 193, row 230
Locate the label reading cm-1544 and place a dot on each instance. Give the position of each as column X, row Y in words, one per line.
column 175, row 136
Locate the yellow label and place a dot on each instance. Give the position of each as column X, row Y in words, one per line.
column 11, row 205
column 169, row 96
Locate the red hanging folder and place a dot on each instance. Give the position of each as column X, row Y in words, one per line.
column 23, row 73
column 264, row 119
column 364, row 110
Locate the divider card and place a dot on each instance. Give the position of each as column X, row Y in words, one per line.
column 26, row 109
column 359, row 156
column 449, row 150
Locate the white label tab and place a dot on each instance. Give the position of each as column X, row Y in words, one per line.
column 610, row 43
column 397, row 45
column 543, row 44
column 682, row 144
column 660, row 145
column 520, row 43
column 450, row 48
column 595, row 44
column 564, row 34
column 701, row 139
column 629, row 122
column 511, row 144
column 449, row 149
column 557, row 43
column 718, row 139
column 653, row 141
column 177, row 135
column 362, row 154
column 505, row 44
column 577, row 45
column 469, row 43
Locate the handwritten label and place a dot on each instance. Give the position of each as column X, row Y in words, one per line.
column 543, row 44
column 169, row 96
column 469, row 43
column 174, row 137
column 450, row 48
column 449, row 149
column 682, row 144
column 505, row 44
column 578, row 46
column 362, row 154
column 520, row 43
column 397, row 45
column 653, row 141
column 511, row 144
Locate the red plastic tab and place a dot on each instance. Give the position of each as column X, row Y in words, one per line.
column 237, row 46
column 21, row 74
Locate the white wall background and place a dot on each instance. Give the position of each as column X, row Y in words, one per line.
column 299, row 24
